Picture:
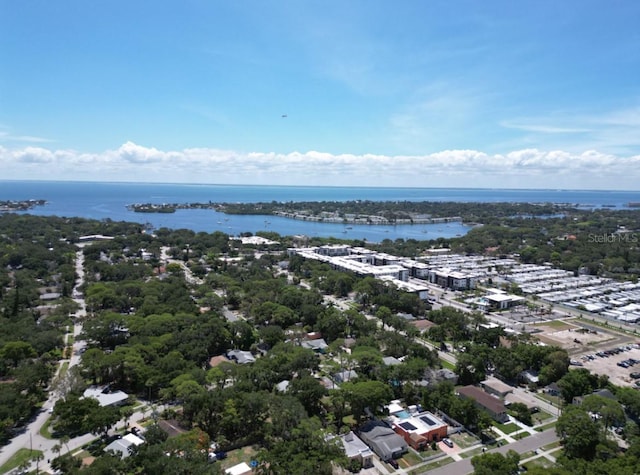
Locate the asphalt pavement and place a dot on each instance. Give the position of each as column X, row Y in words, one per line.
column 528, row 444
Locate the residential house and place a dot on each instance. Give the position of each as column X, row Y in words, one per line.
column 383, row 440
column 355, row 448
column 345, row 376
column 496, row 387
column 529, row 376
column 318, row 345
column 605, row 393
column 553, row 389
column 391, row 361
column 422, row 325
column 123, row 446
column 445, row 374
column 105, row 396
column 50, row 296
column 241, row 357
column 420, row 429
column 492, row 405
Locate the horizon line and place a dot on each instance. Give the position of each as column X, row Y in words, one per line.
column 323, row 186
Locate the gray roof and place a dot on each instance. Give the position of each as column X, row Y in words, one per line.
column 122, row 445
column 50, row 296
column 315, row 345
column 345, row 376
column 104, row 396
column 390, row 361
column 354, row 446
column 382, row 440
column 445, row 373
column 241, row 357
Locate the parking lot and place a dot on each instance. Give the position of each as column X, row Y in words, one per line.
column 617, row 363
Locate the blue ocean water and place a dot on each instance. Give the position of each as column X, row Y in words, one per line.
column 109, row 200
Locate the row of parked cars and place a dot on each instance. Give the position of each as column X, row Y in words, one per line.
column 611, row 352
column 628, row 363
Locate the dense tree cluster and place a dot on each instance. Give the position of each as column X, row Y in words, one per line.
column 152, row 331
column 572, row 241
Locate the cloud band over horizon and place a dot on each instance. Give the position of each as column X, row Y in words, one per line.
column 527, row 168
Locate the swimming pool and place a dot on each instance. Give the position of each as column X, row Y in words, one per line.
column 402, row 414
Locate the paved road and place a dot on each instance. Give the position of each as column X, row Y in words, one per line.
column 30, row 437
column 188, row 275
column 527, row 444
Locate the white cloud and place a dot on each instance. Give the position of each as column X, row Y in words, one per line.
column 138, row 154
column 528, row 168
column 34, row 155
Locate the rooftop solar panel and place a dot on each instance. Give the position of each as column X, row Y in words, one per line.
column 428, row 421
column 407, row 426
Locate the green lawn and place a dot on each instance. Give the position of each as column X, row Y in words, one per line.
column 63, row 369
column 45, row 431
column 438, row 463
column 447, row 365
column 507, row 428
column 541, row 416
column 556, row 325
column 552, row 445
column 548, row 426
column 409, row 459
column 542, row 462
column 20, row 457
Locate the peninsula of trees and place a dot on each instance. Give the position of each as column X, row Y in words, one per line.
column 371, row 212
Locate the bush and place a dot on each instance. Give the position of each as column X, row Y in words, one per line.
column 354, row 465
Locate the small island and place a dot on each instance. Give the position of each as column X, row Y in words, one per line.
column 20, row 205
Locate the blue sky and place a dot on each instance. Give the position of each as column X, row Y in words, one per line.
column 518, row 94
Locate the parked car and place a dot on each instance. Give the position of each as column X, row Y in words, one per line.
column 448, row 443
column 393, row 463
